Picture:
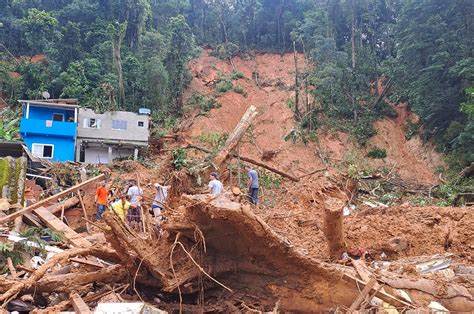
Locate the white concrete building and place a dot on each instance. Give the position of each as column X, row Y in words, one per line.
column 102, row 137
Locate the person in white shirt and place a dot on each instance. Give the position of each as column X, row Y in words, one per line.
column 135, row 194
column 215, row 186
column 160, row 198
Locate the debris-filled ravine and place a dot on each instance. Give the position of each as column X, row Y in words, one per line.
column 314, row 247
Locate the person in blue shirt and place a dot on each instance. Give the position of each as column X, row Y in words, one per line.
column 252, row 185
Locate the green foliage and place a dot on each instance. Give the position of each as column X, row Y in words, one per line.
column 224, row 86
column 203, row 102
column 269, row 180
column 179, row 158
column 411, row 129
column 37, row 234
column 240, row 90
column 235, row 75
column 377, row 153
column 9, row 127
column 214, row 139
column 225, row 51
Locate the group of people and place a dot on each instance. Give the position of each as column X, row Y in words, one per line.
column 128, row 204
column 215, row 187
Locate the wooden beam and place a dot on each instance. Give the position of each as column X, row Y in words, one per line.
column 49, row 199
column 55, row 224
column 236, row 135
column 364, row 293
column 384, row 296
column 83, row 210
column 79, row 305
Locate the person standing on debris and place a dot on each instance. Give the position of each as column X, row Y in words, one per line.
column 215, row 186
column 135, row 194
column 121, row 206
column 101, row 199
column 252, row 185
column 160, row 198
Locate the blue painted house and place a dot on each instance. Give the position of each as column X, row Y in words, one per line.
column 49, row 129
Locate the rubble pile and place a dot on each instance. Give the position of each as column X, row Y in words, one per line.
column 310, row 246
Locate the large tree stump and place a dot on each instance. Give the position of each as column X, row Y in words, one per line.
column 333, row 227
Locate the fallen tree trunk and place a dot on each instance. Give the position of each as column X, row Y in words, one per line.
column 236, row 135
column 251, row 161
column 62, row 257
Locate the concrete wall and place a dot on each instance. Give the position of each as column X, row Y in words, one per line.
column 64, row 147
column 133, row 132
column 96, row 155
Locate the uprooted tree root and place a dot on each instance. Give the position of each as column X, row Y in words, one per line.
column 244, row 259
column 220, row 250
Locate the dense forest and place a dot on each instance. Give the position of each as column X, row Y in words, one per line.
column 129, row 54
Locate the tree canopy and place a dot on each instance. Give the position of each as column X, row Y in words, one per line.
column 128, row 54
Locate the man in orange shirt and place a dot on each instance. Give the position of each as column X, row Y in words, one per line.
column 101, row 199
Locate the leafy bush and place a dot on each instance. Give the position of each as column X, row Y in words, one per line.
column 235, row 75
column 363, row 131
column 216, row 140
column 224, row 86
column 225, row 50
column 240, row 90
column 179, row 158
column 377, row 153
column 411, row 129
column 205, row 103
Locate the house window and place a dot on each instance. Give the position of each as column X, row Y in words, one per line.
column 141, row 124
column 58, row 117
column 119, row 124
column 92, row 123
column 42, row 150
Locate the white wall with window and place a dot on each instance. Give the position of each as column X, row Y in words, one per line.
column 92, row 123
column 42, row 150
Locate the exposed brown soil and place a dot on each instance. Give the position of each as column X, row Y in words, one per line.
column 414, row 160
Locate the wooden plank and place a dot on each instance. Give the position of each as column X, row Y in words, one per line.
column 364, row 293
column 80, row 307
column 49, row 199
column 384, row 296
column 57, row 225
column 83, row 210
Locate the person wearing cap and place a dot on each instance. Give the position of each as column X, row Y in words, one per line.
column 215, row 186
column 161, row 195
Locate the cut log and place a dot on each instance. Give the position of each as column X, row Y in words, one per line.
column 333, row 228
column 49, row 199
column 57, row 225
column 236, row 135
column 79, row 305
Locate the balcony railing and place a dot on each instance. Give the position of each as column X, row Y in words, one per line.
column 48, row 127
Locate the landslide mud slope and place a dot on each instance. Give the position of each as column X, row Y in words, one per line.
column 414, row 161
